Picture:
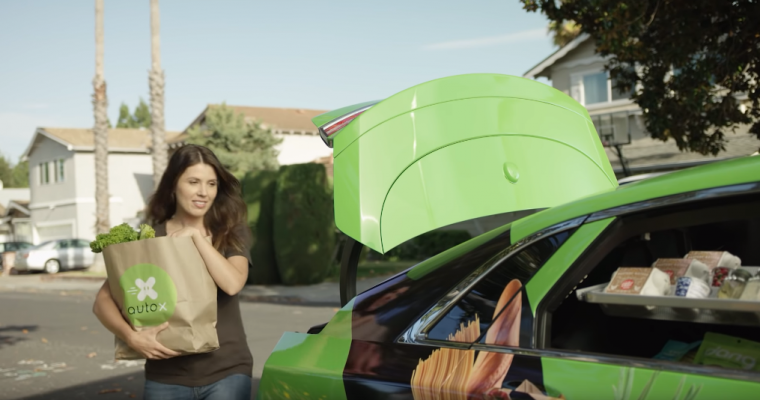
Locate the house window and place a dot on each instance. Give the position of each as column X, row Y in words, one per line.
column 44, row 173
column 598, row 88
column 59, row 170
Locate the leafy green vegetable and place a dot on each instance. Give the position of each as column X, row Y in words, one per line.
column 147, row 232
column 121, row 234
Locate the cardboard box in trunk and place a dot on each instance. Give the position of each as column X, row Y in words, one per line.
column 164, row 279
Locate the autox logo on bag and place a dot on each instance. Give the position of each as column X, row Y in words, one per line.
column 149, row 295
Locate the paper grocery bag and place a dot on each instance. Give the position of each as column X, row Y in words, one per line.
column 164, row 279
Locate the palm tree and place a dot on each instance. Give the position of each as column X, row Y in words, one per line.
column 100, row 130
column 156, row 81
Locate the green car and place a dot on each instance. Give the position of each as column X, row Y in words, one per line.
column 539, row 307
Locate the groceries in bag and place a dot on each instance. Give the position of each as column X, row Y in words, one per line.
column 155, row 280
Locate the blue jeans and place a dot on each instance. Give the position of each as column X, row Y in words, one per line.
column 233, row 387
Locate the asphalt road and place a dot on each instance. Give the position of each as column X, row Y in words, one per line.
column 53, row 347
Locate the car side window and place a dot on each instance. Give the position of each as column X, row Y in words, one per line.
column 497, row 303
column 63, row 244
column 702, row 243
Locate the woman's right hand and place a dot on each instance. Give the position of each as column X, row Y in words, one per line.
column 145, row 343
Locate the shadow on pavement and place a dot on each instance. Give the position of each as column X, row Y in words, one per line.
column 6, row 340
column 128, row 386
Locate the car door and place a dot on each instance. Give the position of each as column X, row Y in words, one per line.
column 83, row 255
column 594, row 346
column 64, row 253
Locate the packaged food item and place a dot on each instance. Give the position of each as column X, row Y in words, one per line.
column 688, row 286
column 728, row 351
column 714, row 259
column 675, row 350
column 734, row 284
column 719, row 275
column 752, row 289
column 678, row 267
column 639, row 280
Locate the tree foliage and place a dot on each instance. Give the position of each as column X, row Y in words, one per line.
column 564, row 32
column 14, row 176
column 692, row 62
column 140, row 118
column 241, row 146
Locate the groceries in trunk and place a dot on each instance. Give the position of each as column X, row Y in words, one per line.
column 700, row 274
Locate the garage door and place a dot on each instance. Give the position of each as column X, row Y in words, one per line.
column 54, row 232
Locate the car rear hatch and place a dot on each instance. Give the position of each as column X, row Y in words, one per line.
column 455, row 149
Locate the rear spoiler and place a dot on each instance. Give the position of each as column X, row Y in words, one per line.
column 331, row 122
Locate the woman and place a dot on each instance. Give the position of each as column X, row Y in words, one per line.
column 198, row 198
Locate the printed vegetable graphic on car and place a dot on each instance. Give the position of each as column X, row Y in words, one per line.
column 457, row 375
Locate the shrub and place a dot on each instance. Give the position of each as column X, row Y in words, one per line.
column 258, row 193
column 304, row 231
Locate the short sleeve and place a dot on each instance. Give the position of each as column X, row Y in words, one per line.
column 244, row 232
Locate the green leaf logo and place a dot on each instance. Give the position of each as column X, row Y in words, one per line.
column 149, row 295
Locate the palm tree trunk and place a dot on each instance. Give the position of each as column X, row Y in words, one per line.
column 100, row 130
column 156, row 81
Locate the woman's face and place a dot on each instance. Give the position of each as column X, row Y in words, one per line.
column 196, row 190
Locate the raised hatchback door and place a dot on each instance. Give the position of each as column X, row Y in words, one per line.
column 460, row 148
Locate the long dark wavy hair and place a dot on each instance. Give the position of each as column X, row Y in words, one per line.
column 228, row 210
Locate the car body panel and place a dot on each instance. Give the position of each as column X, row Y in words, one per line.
column 453, row 88
column 408, row 165
column 719, row 174
column 304, row 366
column 555, row 267
column 594, row 380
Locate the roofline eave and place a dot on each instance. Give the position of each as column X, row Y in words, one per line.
column 540, row 69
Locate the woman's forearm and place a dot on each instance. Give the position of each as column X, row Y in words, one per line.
column 229, row 274
column 109, row 315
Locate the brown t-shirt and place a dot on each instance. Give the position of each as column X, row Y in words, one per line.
column 233, row 355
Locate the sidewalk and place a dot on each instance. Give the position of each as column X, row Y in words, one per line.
column 323, row 294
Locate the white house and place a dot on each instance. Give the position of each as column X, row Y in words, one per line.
column 578, row 71
column 301, row 142
column 62, row 180
column 14, row 215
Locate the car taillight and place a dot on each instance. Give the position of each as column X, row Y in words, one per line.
column 328, row 130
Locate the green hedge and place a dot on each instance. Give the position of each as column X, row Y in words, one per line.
column 258, row 193
column 304, row 229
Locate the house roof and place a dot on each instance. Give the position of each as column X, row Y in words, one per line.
column 9, row 195
column 17, row 209
column 77, row 139
column 540, row 69
column 284, row 120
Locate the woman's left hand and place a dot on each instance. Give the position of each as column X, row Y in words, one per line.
column 185, row 232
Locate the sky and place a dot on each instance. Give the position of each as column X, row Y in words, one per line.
column 296, row 54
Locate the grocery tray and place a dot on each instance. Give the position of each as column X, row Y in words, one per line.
column 710, row 310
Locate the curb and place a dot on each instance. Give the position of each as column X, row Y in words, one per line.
column 289, row 300
column 72, row 278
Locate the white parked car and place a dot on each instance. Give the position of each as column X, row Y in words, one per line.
column 55, row 255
